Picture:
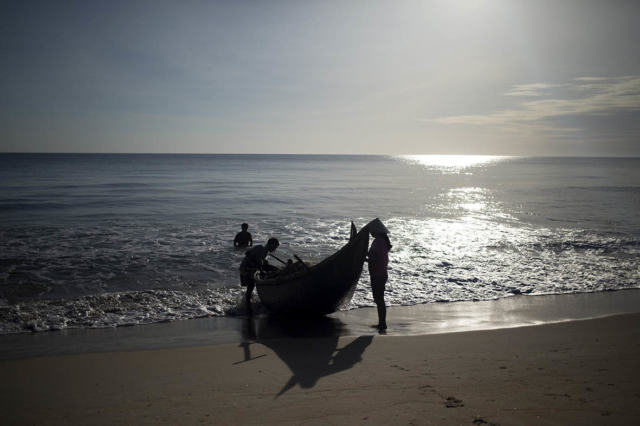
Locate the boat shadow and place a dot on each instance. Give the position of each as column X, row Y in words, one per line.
column 309, row 347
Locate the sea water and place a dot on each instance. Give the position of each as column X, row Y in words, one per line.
column 99, row 240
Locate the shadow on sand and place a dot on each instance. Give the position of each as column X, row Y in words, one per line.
column 309, row 347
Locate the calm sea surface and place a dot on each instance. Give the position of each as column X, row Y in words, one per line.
column 105, row 240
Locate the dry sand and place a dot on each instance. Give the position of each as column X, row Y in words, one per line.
column 573, row 373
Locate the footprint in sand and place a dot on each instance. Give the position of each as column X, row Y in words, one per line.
column 480, row 421
column 452, row 402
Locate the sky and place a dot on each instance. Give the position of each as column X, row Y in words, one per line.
column 459, row 77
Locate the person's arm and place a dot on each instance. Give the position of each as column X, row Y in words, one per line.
column 235, row 241
column 250, row 241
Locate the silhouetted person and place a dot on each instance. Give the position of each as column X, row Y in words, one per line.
column 255, row 260
column 378, row 259
column 243, row 238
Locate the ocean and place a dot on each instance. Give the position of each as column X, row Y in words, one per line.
column 105, row 240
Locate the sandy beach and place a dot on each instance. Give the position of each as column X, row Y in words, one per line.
column 463, row 174
column 577, row 372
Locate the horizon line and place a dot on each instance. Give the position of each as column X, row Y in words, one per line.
column 314, row 154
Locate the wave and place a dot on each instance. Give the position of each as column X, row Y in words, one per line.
column 607, row 188
column 487, row 259
column 156, row 306
column 114, row 309
column 23, row 205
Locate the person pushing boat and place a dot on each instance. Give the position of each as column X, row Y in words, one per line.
column 255, row 260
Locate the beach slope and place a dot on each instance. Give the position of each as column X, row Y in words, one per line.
column 573, row 373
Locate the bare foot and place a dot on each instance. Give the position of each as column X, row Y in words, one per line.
column 379, row 326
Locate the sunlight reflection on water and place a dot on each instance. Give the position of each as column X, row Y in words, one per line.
column 451, row 163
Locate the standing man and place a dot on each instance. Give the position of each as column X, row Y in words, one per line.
column 255, row 260
column 243, row 238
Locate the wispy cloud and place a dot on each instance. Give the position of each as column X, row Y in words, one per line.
column 591, row 79
column 584, row 96
column 535, row 89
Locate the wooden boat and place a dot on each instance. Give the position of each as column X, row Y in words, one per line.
column 319, row 289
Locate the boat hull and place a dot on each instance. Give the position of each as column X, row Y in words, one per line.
column 321, row 289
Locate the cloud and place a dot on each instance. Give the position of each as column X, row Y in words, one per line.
column 535, row 89
column 599, row 96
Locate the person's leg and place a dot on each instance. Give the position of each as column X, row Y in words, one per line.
column 382, row 314
column 247, row 280
column 250, row 286
column 382, row 310
column 377, row 287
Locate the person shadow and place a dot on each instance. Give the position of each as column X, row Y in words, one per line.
column 309, row 347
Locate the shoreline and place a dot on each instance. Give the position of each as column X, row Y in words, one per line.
column 427, row 319
column 582, row 372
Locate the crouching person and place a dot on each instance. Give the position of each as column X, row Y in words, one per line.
column 255, row 260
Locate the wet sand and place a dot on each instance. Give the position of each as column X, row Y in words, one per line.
column 431, row 318
column 571, row 373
